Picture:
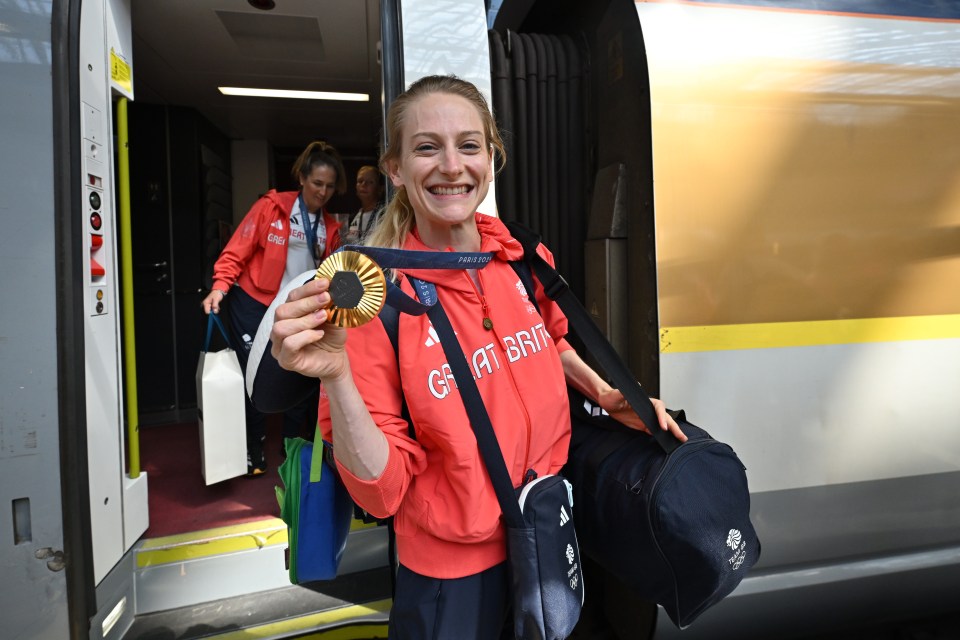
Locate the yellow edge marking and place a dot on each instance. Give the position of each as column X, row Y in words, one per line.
column 312, row 621
column 360, row 525
column 221, row 540
column 353, row 632
column 805, row 334
column 193, row 536
column 211, row 542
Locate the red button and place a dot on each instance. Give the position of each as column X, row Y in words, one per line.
column 96, row 269
column 96, row 241
column 96, row 221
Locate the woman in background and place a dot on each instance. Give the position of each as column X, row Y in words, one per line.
column 283, row 235
column 370, row 192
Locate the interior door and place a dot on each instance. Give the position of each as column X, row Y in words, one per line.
column 153, row 293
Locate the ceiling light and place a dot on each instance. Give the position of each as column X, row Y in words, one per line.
column 303, row 95
column 265, row 5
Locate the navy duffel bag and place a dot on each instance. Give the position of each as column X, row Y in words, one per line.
column 670, row 520
column 675, row 527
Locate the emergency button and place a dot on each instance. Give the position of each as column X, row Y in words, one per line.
column 96, row 243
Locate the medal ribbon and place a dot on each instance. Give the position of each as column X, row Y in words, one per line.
column 407, row 259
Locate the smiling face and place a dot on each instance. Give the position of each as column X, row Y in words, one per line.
column 318, row 186
column 444, row 166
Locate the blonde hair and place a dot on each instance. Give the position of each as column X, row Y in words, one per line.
column 368, row 168
column 397, row 220
column 320, row 154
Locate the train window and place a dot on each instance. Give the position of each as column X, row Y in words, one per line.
column 22, row 528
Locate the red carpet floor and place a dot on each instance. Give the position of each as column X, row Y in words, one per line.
column 180, row 502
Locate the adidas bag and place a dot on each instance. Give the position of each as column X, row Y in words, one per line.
column 674, row 527
column 317, row 510
column 544, row 558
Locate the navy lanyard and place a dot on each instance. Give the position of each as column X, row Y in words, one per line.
column 311, row 233
column 363, row 230
column 406, row 259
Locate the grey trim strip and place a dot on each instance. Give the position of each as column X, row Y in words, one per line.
column 844, row 571
column 71, row 388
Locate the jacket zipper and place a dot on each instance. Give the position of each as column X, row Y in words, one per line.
column 488, row 325
column 487, row 322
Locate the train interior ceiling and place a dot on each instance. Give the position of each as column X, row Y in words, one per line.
column 200, row 158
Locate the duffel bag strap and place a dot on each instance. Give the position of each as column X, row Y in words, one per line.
column 593, row 339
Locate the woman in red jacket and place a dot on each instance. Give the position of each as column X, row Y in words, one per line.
column 283, row 235
column 452, row 581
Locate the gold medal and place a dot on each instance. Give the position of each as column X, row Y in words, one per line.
column 358, row 288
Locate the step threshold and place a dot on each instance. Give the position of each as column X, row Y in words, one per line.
column 353, row 607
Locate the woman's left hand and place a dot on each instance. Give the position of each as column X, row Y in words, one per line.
column 613, row 402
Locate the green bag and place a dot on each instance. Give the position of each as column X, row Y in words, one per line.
column 317, row 510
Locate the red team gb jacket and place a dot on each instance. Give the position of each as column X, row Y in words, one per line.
column 256, row 255
column 447, row 516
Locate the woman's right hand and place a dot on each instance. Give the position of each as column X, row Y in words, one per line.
column 212, row 301
column 301, row 339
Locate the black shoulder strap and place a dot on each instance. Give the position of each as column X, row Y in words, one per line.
column 557, row 289
column 390, row 317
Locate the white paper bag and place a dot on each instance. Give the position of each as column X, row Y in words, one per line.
column 220, row 410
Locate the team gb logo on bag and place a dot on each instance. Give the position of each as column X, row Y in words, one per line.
column 735, row 542
column 572, row 574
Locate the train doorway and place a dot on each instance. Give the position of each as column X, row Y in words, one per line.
column 571, row 89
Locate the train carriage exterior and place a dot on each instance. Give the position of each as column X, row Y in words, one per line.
column 758, row 201
column 812, row 317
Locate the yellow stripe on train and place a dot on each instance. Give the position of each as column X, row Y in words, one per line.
column 773, row 335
